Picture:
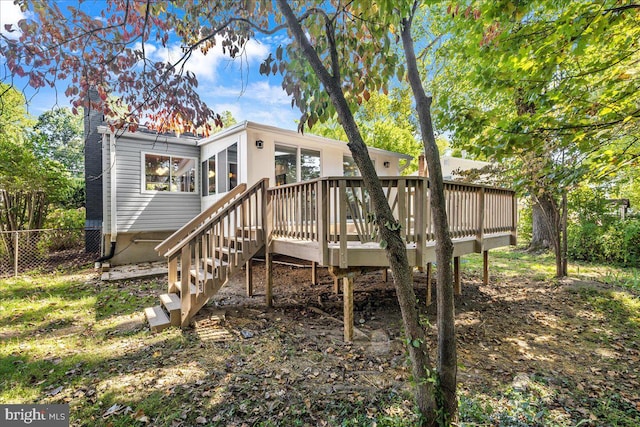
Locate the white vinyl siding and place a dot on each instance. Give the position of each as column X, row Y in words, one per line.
column 140, row 210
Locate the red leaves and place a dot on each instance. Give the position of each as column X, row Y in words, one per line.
column 468, row 12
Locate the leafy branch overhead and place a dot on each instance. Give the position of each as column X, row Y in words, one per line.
column 564, row 74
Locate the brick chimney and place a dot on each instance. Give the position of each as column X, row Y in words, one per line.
column 93, row 174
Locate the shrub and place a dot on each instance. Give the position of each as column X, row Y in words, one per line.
column 618, row 242
column 631, row 240
column 525, row 224
column 584, row 242
column 67, row 225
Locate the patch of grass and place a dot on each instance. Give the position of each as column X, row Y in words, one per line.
column 513, row 263
column 508, row 262
column 621, row 309
column 513, row 407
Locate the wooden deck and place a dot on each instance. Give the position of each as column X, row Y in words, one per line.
column 327, row 221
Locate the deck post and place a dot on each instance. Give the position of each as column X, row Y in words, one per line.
column 336, row 285
column 322, row 210
column 185, row 284
column 249, row 278
column 344, row 256
column 314, row 273
column 514, row 220
column 485, row 267
column 456, row 276
column 173, row 274
column 419, row 228
column 385, row 274
column 267, row 227
column 348, row 308
column 428, row 283
column 268, row 262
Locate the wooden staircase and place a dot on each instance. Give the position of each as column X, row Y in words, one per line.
column 204, row 254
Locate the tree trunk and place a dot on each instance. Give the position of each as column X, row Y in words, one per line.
column 396, row 249
column 555, row 218
column 540, row 233
column 563, row 227
column 447, row 357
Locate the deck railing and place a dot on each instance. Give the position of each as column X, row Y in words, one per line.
column 338, row 210
column 200, row 263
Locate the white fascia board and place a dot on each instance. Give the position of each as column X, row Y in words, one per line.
column 184, row 140
column 291, row 133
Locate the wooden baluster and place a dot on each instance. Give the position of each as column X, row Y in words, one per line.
column 185, row 284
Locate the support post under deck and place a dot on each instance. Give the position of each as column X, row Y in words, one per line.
column 347, row 292
column 249, row 278
column 485, row 267
column 314, row 273
column 268, row 262
column 456, row 276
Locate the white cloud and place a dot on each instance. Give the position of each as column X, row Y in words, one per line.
column 261, row 102
column 207, row 67
column 9, row 14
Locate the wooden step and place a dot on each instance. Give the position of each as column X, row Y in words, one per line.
column 226, row 250
column 171, row 303
column 201, row 275
column 157, row 318
column 249, row 232
column 179, row 286
column 217, row 262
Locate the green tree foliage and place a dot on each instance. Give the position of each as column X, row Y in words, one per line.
column 549, row 85
column 58, row 135
column 597, row 231
column 386, row 122
column 28, row 182
column 341, row 54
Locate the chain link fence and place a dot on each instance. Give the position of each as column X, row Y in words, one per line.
column 46, row 250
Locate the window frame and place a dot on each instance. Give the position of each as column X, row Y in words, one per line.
column 143, row 173
column 298, row 154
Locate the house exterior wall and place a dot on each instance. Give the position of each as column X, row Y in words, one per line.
column 145, row 218
column 138, row 209
column 451, row 164
column 257, row 163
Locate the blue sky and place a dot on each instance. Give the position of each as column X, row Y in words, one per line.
column 235, row 86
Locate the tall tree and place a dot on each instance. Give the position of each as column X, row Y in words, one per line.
column 341, row 53
column 549, row 84
column 28, row 182
column 58, row 135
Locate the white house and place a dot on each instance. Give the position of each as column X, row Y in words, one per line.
column 149, row 185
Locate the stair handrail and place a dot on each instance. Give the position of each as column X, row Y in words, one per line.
column 220, row 214
column 198, row 220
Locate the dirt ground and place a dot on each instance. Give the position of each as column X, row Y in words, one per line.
column 512, row 335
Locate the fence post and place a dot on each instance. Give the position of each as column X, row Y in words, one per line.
column 16, row 249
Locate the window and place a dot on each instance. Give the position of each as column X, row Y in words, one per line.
column 209, row 176
column 220, row 171
column 349, row 167
column 286, row 165
column 287, row 160
column 309, row 164
column 232, row 166
column 169, row 173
